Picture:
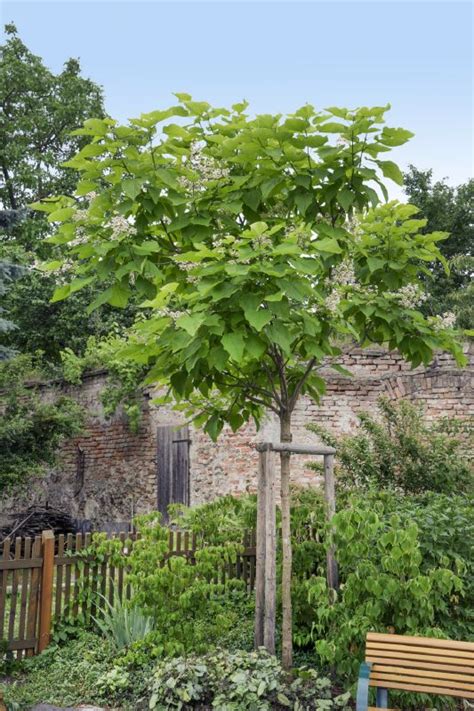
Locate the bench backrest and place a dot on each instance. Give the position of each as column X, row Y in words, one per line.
column 434, row 666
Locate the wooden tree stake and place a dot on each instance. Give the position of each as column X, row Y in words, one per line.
column 260, row 554
column 330, row 498
column 268, row 462
column 265, row 578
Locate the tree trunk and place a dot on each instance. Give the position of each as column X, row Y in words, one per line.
column 287, row 627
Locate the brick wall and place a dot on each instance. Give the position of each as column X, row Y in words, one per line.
column 109, row 473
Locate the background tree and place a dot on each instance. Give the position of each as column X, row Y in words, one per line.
column 8, row 273
column 450, row 209
column 39, row 109
column 240, row 235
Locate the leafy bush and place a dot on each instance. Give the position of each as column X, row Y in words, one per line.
column 219, row 521
column 405, row 563
column 63, row 676
column 191, row 605
column 30, row 428
column 399, row 449
column 238, row 682
column 385, row 586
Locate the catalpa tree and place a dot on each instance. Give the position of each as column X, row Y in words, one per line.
column 257, row 248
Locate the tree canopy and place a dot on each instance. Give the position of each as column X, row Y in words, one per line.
column 258, row 247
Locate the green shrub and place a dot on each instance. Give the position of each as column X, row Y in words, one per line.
column 240, row 681
column 399, row 449
column 189, row 603
column 30, row 428
column 219, row 522
column 62, row 676
column 385, row 586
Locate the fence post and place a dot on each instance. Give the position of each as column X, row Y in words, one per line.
column 46, row 598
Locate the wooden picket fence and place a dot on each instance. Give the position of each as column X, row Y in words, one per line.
column 42, row 582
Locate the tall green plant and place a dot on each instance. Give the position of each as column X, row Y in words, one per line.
column 241, row 235
column 122, row 624
column 398, row 448
column 185, row 599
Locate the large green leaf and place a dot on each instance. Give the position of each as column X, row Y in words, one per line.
column 118, row 295
column 391, row 170
column 234, row 344
column 132, row 187
column 280, row 334
column 191, row 322
column 331, row 246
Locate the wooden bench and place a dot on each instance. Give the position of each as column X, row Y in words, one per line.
column 416, row 664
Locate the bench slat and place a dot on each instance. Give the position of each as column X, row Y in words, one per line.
column 459, row 661
column 411, row 679
column 375, row 647
column 420, row 641
column 466, row 677
column 428, row 666
column 424, row 688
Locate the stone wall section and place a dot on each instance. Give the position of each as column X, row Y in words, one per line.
column 118, row 476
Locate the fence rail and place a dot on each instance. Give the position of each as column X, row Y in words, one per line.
column 42, row 582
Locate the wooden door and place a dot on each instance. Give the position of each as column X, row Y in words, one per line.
column 172, row 467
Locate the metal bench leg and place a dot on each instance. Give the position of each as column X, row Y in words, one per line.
column 382, row 698
column 363, row 687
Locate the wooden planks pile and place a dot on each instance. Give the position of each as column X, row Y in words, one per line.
column 48, row 579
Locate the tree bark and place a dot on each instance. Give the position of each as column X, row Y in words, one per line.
column 287, row 627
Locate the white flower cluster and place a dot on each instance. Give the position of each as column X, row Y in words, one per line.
column 170, row 313
column 205, row 166
column 91, row 196
column 409, row 296
column 343, row 274
column 185, row 266
column 61, row 272
column 261, row 242
column 331, row 302
column 219, row 243
column 446, row 320
column 79, row 216
column 120, row 227
column 80, row 238
column 64, row 268
column 238, row 259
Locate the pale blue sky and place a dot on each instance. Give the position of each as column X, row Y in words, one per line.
column 277, row 55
